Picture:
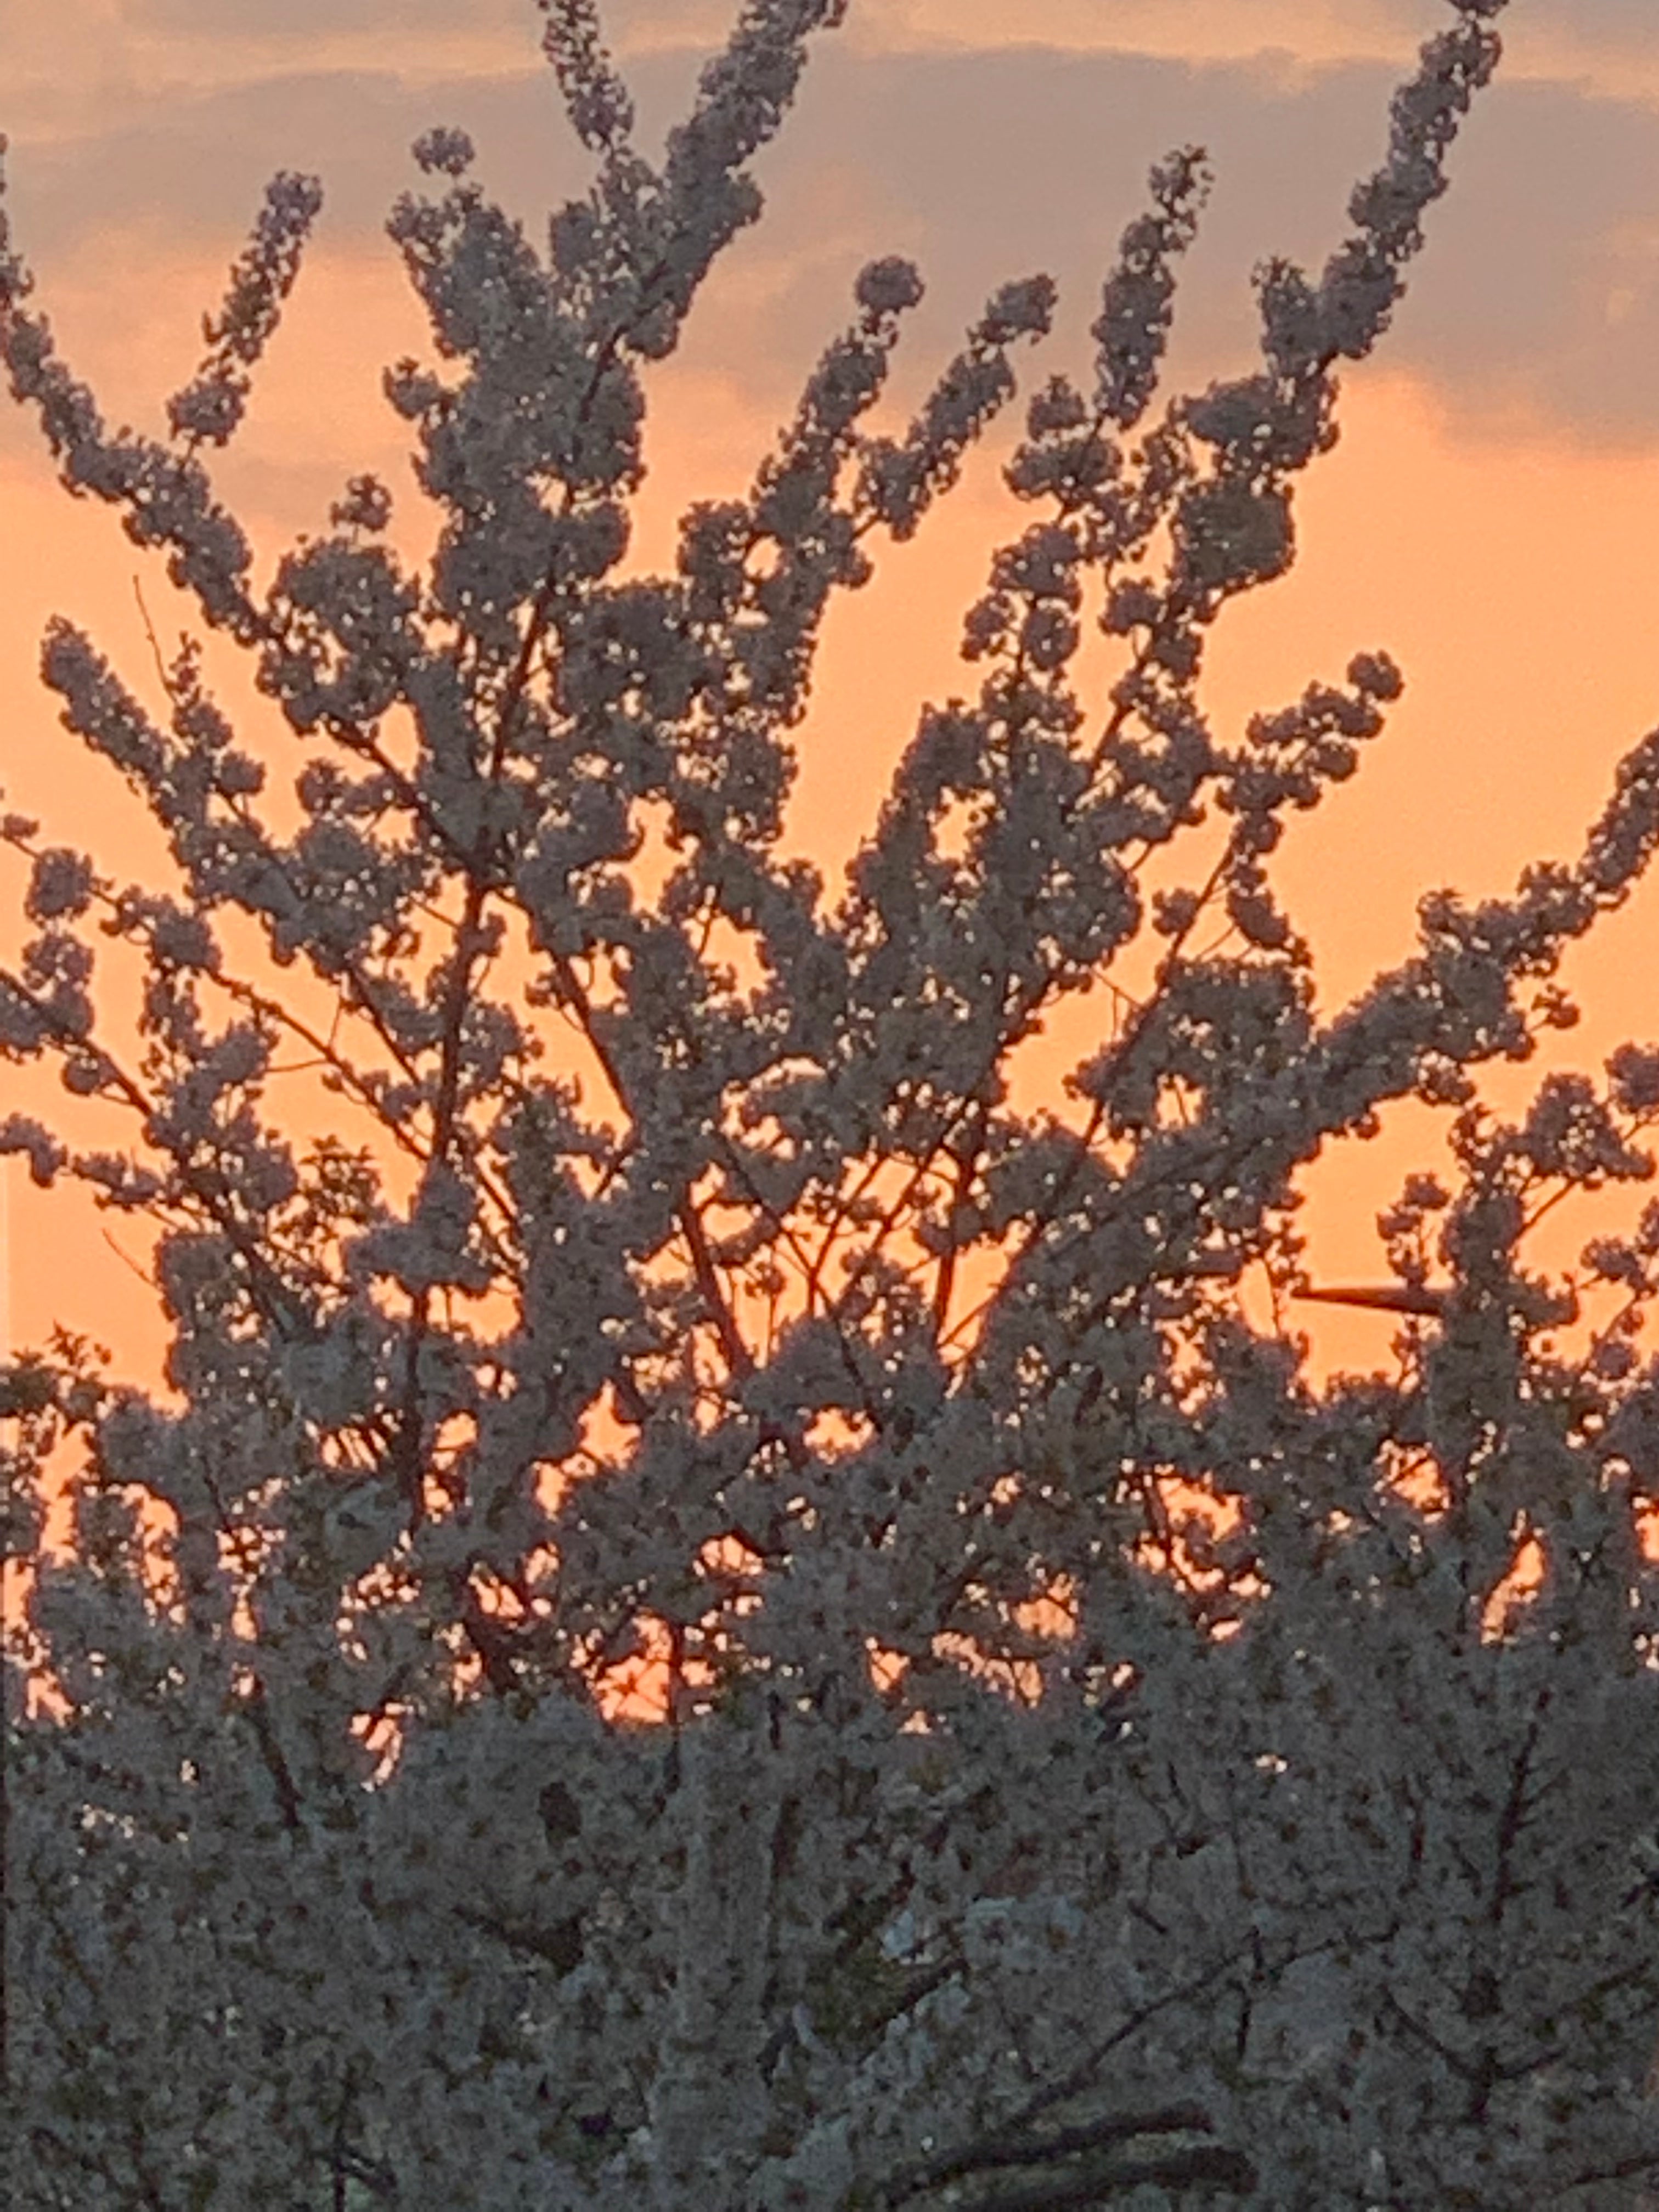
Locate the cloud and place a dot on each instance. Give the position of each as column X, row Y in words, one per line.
column 1607, row 44
column 1317, row 32
column 298, row 22
column 1535, row 306
column 191, row 165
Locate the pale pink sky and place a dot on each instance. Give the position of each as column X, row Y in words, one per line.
column 1486, row 518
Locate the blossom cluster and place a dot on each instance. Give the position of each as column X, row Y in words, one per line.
column 337, row 1871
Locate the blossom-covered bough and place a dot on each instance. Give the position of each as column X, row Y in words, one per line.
column 335, row 1873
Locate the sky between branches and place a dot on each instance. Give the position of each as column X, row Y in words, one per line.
column 1485, row 518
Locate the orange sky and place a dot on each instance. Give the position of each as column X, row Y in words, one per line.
column 1486, row 518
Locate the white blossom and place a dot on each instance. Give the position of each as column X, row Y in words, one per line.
column 1270, row 1868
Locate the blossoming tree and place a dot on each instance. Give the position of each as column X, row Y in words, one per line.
column 1261, row 1866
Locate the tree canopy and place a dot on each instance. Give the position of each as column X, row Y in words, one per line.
column 1005, row 1838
